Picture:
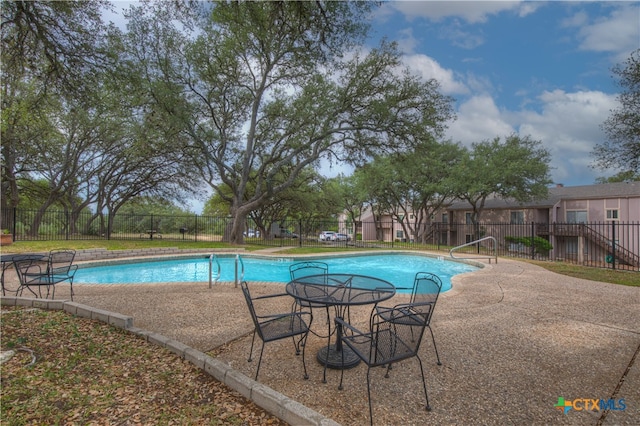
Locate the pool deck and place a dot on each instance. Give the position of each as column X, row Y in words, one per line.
column 512, row 337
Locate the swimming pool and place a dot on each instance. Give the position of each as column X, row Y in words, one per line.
column 399, row 269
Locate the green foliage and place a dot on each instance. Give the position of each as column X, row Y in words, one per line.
column 246, row 89
column 516, row 168
column 622, row 149
column 540, row 245
column 626, row 176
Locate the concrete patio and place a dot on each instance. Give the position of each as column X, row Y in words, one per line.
column 513, row 339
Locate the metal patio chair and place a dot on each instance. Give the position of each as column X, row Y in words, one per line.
column 271, row 326
column 304, row 269
column 33, row 275
column 61, row 267
column 424, row 295
column 392, row 337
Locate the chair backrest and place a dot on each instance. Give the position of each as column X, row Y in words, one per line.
column 62, row 258
column 303, row 269
column 397, row 335
column 426, row 289
column 31, row 269
column 252, row 309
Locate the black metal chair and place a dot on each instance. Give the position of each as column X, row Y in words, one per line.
column 394, row 337
column 61, row 267
column 33, row 273
column 424, row 295
column 304, row 269
column 275, row 326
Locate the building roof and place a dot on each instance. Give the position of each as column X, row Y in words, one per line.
column 557, row 193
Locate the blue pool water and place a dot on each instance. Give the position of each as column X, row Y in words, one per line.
column 399, row 269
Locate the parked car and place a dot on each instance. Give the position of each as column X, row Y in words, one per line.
column 342, row 237
column 252, row 233
column 285, row 233
column 327, row 236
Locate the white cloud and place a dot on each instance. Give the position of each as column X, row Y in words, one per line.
column 618, row 33
column 578, row 19
column 478, row 119
column 407, row 43
column 460, row 37
column 568, row 125
column 428, row 68
column 470, row 11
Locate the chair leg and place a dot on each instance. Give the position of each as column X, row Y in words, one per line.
column 388, row 369
column 369, row 397
column 424, row 384
column 304, row 364
column 341, row 373
column 433, row 339
column 251, row 350
column 326, row 361
column 259, row 361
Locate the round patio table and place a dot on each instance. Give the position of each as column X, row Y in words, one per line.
column 7, row 260
column 340, row 291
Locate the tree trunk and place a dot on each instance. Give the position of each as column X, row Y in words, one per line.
column 234, row 230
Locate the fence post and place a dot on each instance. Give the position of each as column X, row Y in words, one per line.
column 613, row 244
column 68, row 225
column 13, row 224
column 533, row 245
column 393, row 228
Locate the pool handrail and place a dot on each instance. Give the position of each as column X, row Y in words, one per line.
column 239, row 261
column 213, row 258
column 494, row 256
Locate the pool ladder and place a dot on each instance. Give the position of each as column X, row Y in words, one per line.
column 494, row 256
column 238, row 264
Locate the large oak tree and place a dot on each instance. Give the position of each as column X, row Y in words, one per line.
column 622, row 149
column 265, row 89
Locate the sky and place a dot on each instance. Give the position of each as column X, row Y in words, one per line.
column 541, row 69
column 538, row 69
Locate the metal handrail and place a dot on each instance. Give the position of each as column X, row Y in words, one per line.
column 239, row 261
column 213, row 258
column 495, row 246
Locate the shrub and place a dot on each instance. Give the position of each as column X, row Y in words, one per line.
column 540, row 245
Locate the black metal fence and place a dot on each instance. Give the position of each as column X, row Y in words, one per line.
column 611, row 244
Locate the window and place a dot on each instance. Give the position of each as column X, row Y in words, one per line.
column 577, row 216
column 399, row 234
column 467, row 218
column 517, row 217
column 612, row 214
column 445, row 217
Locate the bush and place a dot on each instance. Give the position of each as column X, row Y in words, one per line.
column 540, row 245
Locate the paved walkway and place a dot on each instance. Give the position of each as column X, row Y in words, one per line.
column 513, row 338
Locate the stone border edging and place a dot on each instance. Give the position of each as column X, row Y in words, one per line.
column 268, row 399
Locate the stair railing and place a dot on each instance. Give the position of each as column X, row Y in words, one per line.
column 495, row 251
column 212, row 280
column 239, row 263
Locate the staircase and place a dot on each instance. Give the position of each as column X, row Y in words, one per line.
column 622, row 255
